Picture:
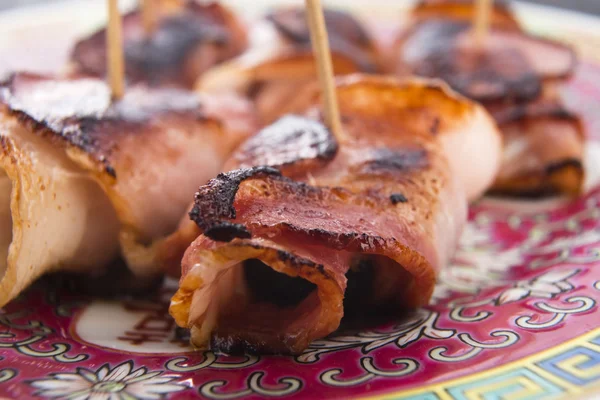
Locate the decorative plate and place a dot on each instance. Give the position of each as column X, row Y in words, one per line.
column 515, row 316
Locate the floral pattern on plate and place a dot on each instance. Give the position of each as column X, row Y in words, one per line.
column 120, row 383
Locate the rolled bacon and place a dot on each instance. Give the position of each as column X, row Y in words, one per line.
column 305, row 231
column 87, row 181
column 187, row 41
column 279, row 59
column 544, row 150
column 463, row 11
column 515, row 75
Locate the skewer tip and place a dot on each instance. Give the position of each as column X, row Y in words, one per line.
column 481, row 23
column 149, row 18
column 321, row 49
column 114, row 42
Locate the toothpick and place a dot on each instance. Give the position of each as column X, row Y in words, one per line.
column 482, row 20
column 320, row 44
column 116, row 65
column 148, row 9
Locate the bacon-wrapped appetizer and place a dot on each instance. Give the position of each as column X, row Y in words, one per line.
column 516, row 76
column 462, row 10
column 87, row 180
column 544, row 147
column 279, row 58
column 306, row 229
column 187, row 41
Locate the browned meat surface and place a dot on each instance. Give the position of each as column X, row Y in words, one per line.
column 93, row 179
column 279, row 59
column 517, row 77
column 187, row 41
column 307, row 230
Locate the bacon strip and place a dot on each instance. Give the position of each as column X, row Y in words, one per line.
column 515, row 77
column 292, row 237
column 93, row 180
column 279, row 59
column 463, row 11
column 511, row 67
column 187, row 41
column 544, row 150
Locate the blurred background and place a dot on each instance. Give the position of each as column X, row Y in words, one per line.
column 51, row 31
column 590, row 6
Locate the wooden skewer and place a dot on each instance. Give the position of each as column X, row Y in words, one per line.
column 320, row 44
column 482, row 20
column 148, row 10
column 114, row 42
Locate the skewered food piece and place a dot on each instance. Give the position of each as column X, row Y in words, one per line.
column 305, row 230
column 87, row 180
column 516, row 76
column 187, row 41
column 544, row 150
column 279, row 59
